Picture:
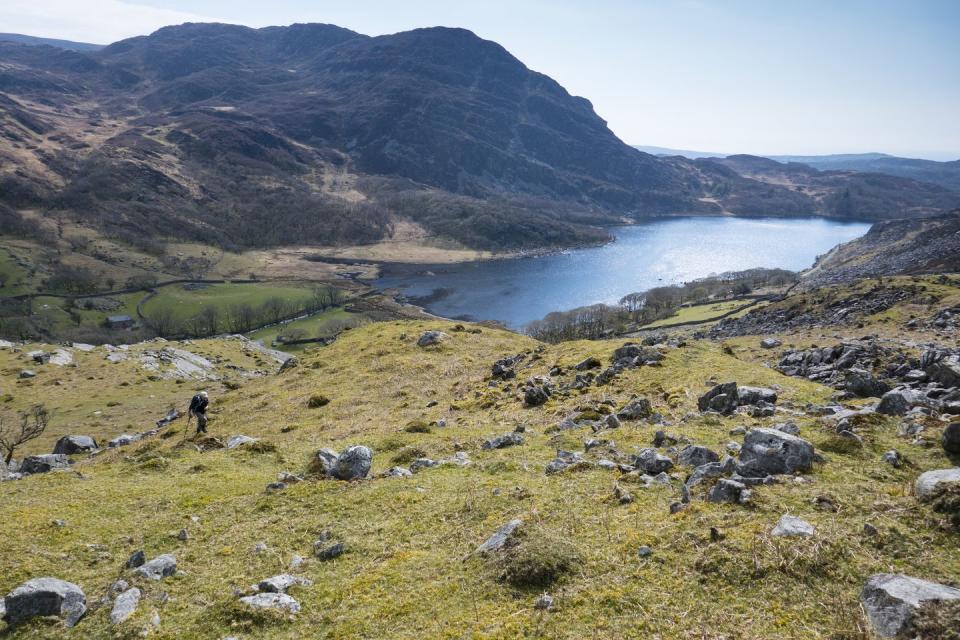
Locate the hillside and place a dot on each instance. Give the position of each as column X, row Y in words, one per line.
column 617, row 547
column 945, row 174
column 50, row 42
column 317, row 134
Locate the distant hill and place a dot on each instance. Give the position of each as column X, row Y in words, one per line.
column 314, row 133
column 946, row 174
column 51, row 42
column 686, row 153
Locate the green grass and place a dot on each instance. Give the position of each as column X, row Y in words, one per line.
column 187, row 303
column 699, row 313
column 14, row 279
column 324, row 324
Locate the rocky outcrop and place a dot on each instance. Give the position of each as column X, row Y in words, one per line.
column 892, row 600
column 45, row 597
column 70, row 445
column 769, row 452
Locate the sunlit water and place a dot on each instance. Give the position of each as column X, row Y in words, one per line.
column 644, row 256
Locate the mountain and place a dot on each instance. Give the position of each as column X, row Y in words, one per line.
column 686, row 153
column 315, row 133
column 50, row 42
column 945, row 174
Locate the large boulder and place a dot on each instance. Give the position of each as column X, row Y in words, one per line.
column 891, row 600
column 768, row 452
column 69, row 445
column 353, row 462
column 44, row 463
column 695, row 456
column 864, row 384
column 45, row 597
column 125, row 605
column 430, row 338
column 729, row 491
column 896, row 402
column 158, row 568
column 756, row 395
column 930, row 484
column 946, row 371
column 651, row 462
column 951, row 438
column 723, row 398
column 637, row 409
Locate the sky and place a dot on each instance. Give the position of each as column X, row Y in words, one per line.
column 768, row 77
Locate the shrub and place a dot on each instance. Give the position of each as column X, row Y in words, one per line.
column 316, row 401
column 406, row 455
column 418, row 426
column 535, row 558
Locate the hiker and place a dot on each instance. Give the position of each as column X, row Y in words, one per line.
column 198, row 409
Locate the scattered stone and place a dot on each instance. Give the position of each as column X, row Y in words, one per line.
column 70, row 445
column 506, row 440
column 325, row 551
column 622, row 495
column 770, row 343
column 792, row 526
column 44, row 463
column 893, row 458
column 644, row 551
column 729, row 491
column 695, row 456
column 239, row 441
column 661, row 438
column 430, row 338
column 870, row 530
column 399, row 472
column 534, row 396
column 353, row 463
column 499, row 537
column 589, row 363
column 895, row 403
column 951, row 438
column 260, row 547
column 769, row 452
column 543, row 603
column 45, row 597
column 756, row 396
column 27, row 373
column 125, row 605
column 864, row 384
column 158, row 568
column 789, row 428
column 183, row 535
column 282, row 582
column 649, row 461
column 711, row 470
column 891, row 601
column 612, row 421
column 931, row 483
column 137, row 559
column 637, row 409
column 273, row 601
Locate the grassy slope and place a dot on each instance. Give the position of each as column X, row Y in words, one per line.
column 699, row 313
column 187, row 303
column 403, row 575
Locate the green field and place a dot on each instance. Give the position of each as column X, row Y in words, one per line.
column 699, row 313
column 322, row 324
column 187, row 303
column 14, row 279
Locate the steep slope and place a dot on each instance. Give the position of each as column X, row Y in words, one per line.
column 316, row 133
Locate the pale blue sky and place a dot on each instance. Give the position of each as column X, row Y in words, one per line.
column 767, row 77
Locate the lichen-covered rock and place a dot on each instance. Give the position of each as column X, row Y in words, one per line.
column 272, row 601
column 792, row 526
column 282, row 582
column 430, row 338
column 768, row 452
column 239, row 441
column 506, row 440
column 723, row 398
column 729, row 491
column 891, row 601
column 69, row 445
column 45, row 597
column 44, row 463
column 125, row 605
column 695, row 455
column 353, row 463
column 756, row 395
column 649, row 461
column 931, row 483
column 637, row 409
column 499, row 538
column 158, row 568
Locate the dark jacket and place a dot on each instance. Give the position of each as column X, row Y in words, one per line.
column 198, row 404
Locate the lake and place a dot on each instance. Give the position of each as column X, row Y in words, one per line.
column 651, row 254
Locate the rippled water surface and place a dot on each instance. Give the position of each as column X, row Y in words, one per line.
column 646, row 255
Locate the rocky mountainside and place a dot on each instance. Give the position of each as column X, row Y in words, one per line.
column 946, row 174
column 461, row 480
column 316, row 133
column 929, row 245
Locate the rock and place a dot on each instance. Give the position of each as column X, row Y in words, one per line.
column 239, row 441
column 769, row 452
column 723, row 398
column 951, row 438
column 125, row 605
column 891, row 600
column 61, row 358
column 499, row 537
column 282, row 582
column 123, row 440
column 137, row 559
column 864, row 384
column 946, row 371
column 354, row 462
column 324, row 462
column 637, row 409
column 649, row 461
column 430, row 338
column 535, row 396
column 589, row 363
column 28, row 373
column 260, row 547
column 422, row 463
column 506, row 440
column 326, row 551
column 792, row 526
column 895, row 403
column 273, row 601
column 158, row 568
column 290, row 363
column 710, row 470
column 69, row 445
column 543, row 602
column 44, row 463
column 695, row 456
column 183, row 535
column 790, row 428
column 729, row 491
column 893, row 458
column 770, row 343
column 612, row 421
column 399, row 472
column 45, row 597
column 930, row 484
column 756, row 395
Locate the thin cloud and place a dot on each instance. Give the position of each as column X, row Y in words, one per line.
column 97, row 21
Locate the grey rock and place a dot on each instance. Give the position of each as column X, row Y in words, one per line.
column 951, row 438
column 499, row 537
column 430, row 338
column 770, row 343
column 45, row 597
column 769, row 452
column 756, row 395
column 895, row 403
column 946, row 371
column 273, row 601
column 893, row 458
column 399, row 472
column 27, row 373
column 535, row 396
column 69, row 445
column 506, row 440
column 649, row 461
column 422, row 463
column 729, row 491
column 694, row 456
column 792, row 526
column 282, row 582
column 44, row 463
column 589, row 363
column 644, row 551
column 637, row 409
column 864, row 384
column 612, row 421
column 891, row 600
column 788, row 427
column 325, row 461
column 354, row 462
column 544, row 602
column 158, row 568
column 723, row 398
column 325, row 551
column 239, row 441
column 123, row 440
column 125, row 605
column 137, row 559
column 931, row 483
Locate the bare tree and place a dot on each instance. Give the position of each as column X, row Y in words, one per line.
column 163, row 321
column 32, row 423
